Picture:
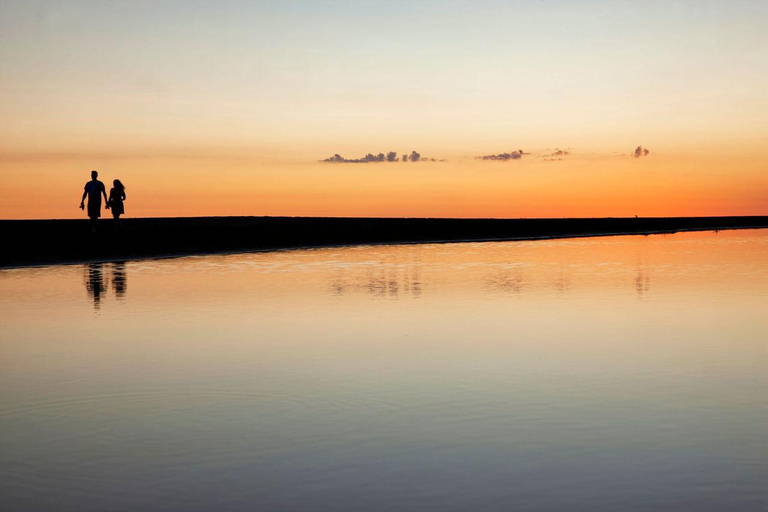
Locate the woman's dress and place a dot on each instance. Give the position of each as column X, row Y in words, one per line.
column 116, row 202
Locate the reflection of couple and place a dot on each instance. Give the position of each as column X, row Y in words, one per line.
column 96, row 286
column 94, row 189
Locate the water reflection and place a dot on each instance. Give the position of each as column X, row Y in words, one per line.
column 642, row 275
column 561, row 281
column 96, row 282
column 568, row 267
column 380, row 279
column 119, row 280
column 505, row 280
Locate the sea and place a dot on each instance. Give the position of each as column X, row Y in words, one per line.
column 595, row 374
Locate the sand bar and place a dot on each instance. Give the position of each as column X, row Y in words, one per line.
column 45, row 242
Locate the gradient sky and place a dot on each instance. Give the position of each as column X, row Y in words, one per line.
column 224, row 108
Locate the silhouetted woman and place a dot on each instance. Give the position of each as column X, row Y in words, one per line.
column 116, row 198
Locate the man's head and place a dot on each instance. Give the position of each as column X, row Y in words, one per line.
column 94, row 175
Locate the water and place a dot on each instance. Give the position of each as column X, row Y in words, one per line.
column 587, row 374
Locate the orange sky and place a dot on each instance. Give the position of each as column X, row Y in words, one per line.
column 225, row 109
column 590, row 185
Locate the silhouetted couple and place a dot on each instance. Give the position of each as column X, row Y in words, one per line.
column 94, row 189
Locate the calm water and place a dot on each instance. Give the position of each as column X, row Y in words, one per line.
column 622, row 373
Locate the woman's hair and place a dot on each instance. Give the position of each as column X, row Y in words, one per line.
column 118, row 185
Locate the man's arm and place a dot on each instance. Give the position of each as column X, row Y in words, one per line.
column 104, row 193
column 82, row 200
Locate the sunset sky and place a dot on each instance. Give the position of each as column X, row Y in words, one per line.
column 226, row 107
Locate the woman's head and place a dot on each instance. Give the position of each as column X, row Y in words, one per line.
column 118, row 185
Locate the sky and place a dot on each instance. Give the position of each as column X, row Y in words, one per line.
column 227, row 107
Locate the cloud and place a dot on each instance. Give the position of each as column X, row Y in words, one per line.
column 370, row 157
column 514, row 155
column 556, row 156
column 641, row 151
column 391, row 156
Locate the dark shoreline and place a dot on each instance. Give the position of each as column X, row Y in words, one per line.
column 48, row 242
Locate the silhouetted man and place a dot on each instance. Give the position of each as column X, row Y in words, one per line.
column 94, row 189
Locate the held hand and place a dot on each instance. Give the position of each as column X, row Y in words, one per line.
column 82, row 206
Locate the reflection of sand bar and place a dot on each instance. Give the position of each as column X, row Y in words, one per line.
column 59, row 241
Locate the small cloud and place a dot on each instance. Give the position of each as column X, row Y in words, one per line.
column 556, row 156
column 641, row 151
column 513, row 155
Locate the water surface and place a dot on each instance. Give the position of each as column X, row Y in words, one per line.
column 586, row 374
